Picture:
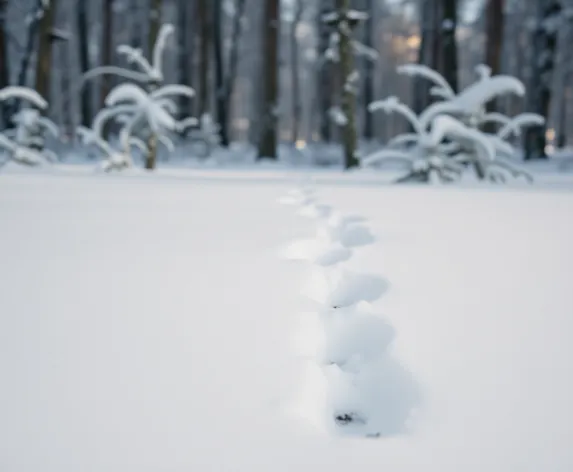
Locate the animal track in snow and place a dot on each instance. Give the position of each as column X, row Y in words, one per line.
column 344, row 289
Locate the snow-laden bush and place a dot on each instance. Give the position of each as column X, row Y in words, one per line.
column 448, row 136
column 25, row 142
column 114, row 159
column 151, row 72
column 143, row 114
column 145, row 109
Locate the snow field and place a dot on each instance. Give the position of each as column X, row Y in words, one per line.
column 351, row 383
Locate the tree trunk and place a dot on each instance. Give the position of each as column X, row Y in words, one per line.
column 426, row 53
column 231, row 73
column 4, row 63
column 135, row 33
column 267, row 148
column 220, row 97
column 151, row 155
column 324, row 74
column 154, row 23
column 369, row 73
column 106, row 47
column 185, row 56
column 494, row 41
column 295, row 72
column 106, row 56
column 205, row 36
column 348, row 83
column 64, row 54
column 84, row 59
column 543, row 57
column 154, row 26
column 44, row 64
column 449, row 51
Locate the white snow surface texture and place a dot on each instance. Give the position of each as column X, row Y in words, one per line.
column 147, row 324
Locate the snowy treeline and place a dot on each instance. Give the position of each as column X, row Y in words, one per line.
column 289, row 71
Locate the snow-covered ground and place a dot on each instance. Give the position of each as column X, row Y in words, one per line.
column 147, row 323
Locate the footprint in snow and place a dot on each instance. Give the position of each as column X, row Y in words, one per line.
column 344, row 289
column 315, row 251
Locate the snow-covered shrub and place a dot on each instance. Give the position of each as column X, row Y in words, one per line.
column 144, row 114
column 150, row 72
column 448, row 135
column 25, row 142
column 114, row 159
column 145, row 108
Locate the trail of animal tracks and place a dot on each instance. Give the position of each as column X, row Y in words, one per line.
column 151, row 324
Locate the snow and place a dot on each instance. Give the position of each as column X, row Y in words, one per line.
column 23, row 93
column 146, row 323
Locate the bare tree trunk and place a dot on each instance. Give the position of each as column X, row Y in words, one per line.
column 83, row 44
column 205, row 36
column 369, row 72
column 426, row 53
column 543, row 57
column 220, row 96
column 154, row 22
column 154, row 26
column 185, row 56
column 151, row 156
column 44, row 65
column 324, row 78
column 66, row 81
column 494, row 42
column 135, row 33
column 563, row 113
column 295, row 71
column 348, row 84
column 449, row 50
column 267, row 148
column 232, row 68
column 106, row 53
column 4, row 63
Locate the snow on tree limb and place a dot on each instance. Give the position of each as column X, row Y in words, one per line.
column 423, row 71
column 394, row 105
column 387, row 155
column 450, row 107
column 135, row 56
column 7, row 143
column 165, row 31
column 446, row 126
column 87, row 136
column 103, row 116
column 166, row 141
column 520, row 121
column 485, row 90
column 126, row 93
column 497, row 118
column 403, row 139
column 186, row 123
column 113, row 70
column 170, row 90
column 23, row 93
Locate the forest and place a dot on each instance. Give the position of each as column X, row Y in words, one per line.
column 298, row 74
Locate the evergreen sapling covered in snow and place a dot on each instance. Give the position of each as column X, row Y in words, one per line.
column 145, row 109
column 448, row 135
column 25, row 143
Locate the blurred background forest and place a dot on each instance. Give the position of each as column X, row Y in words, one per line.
column 241, row 55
